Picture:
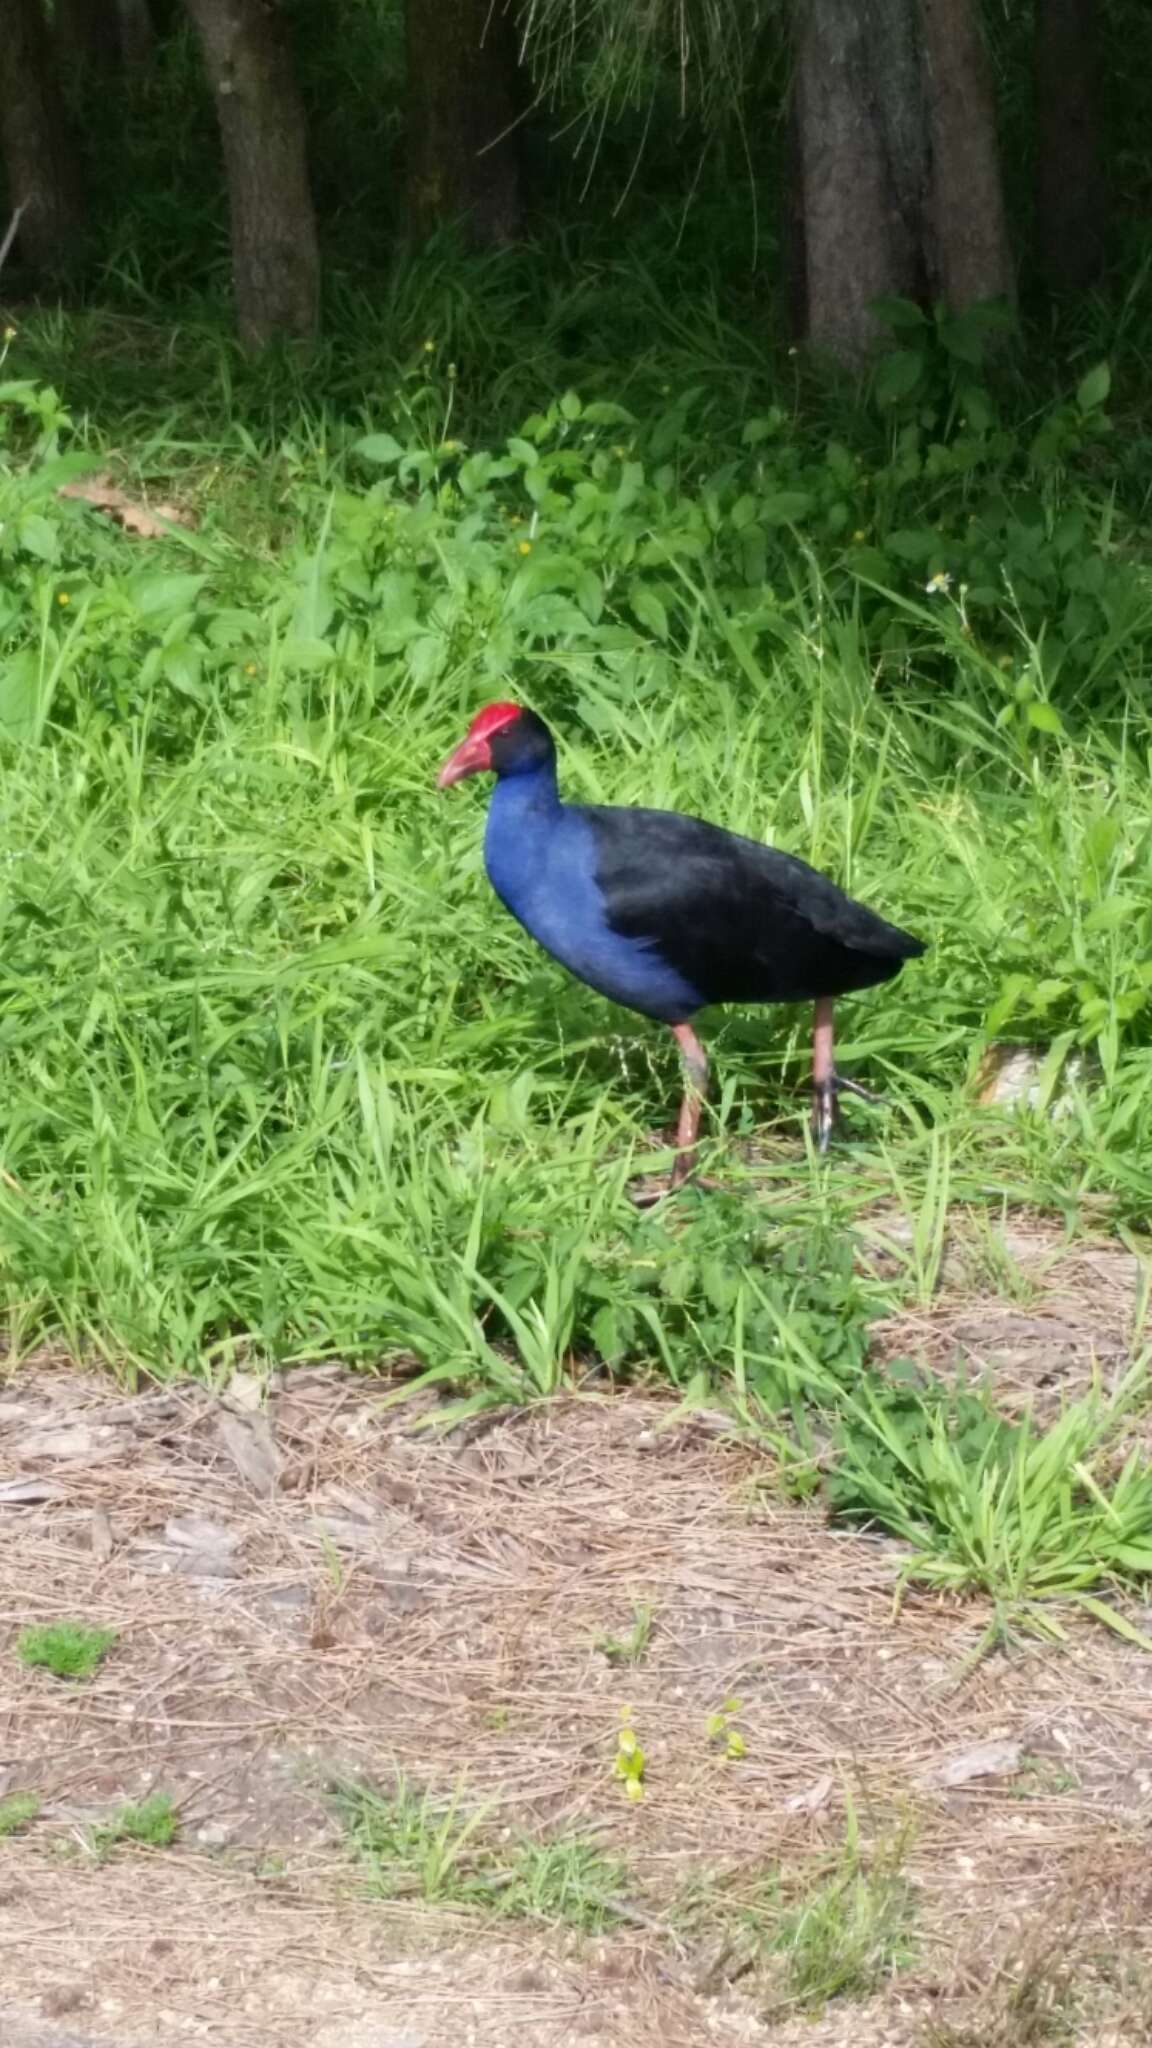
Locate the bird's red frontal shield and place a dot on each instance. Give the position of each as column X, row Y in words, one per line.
column 474, row 754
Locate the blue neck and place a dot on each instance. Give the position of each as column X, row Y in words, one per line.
column 524, row 815
column 524, row 799
column 542, row 860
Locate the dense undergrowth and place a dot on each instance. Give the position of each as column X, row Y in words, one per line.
column 281, row 1079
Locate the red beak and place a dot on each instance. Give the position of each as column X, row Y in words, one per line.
column 472, row 757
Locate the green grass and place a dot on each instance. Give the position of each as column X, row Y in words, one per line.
column 1029, row 1517
column 849, row 1933
column 151, row 1823
column 279, row 1073
column 632, row 1646
column 17, row 1812
column 68, row 1649
column 837, row 1929
column 412, row 1845
column 281, row 1079
column 840, row 1927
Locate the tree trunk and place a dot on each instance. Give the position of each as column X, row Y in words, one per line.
column 793, row 239
column 853, row 245
column 275, row 259
column 899, row 181
column 969, row 250
column 1070, row 191
column 87, row 37
column 40, row 159
column 137, row 34
column 463, row 105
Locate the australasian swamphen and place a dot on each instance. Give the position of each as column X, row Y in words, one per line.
column 667, row 914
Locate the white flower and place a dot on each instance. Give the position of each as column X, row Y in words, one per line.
column 939, row 582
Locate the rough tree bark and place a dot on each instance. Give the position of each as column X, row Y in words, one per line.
column 87, row 36
column 40, row 158
column 851, row 255
column 275, row 258
column 970, row 252
column 137, row 34
column 899, row 171
column 463, row 106
column 1071, row 206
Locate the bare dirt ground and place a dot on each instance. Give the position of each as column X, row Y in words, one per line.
column 311, row 1587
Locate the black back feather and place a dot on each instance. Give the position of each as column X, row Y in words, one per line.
column 742, row 922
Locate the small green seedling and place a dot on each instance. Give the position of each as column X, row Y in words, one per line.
column 723, row 1735
column 1041, row 1777
column 631, row 1648
column 333, row 1563
column 413, row 1844
column 16, row 1812
column 568, row 1879
column 68, row 1649
column 629, row 1761
column 153, row 1823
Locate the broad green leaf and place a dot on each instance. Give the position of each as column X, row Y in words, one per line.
column 1045, row 717
column 1093, row 390
column 306, row 654
column 182, row 664
column 19, row 694
column 1116, row 911
column 649, row 610
column 153, row 596
column 38, row 536
column 898, row 375
column 381, row 448
column 902, row 315
column 785, row 508
column 604, row 413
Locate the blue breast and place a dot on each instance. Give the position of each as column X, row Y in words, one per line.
column 540, row 856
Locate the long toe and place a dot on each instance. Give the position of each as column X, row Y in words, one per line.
column 823, row 1113
column 843, row 1086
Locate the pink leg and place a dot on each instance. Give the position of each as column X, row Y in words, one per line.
column 823, row 1074
column 695, row 1088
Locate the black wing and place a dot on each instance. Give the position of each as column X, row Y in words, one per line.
column 742, row 922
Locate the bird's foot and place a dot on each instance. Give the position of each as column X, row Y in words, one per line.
column 646, row 1193
column 843, row 1086
column 826, row 1109
column 824, row 1112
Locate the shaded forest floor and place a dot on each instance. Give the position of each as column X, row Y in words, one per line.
column 309, row 1592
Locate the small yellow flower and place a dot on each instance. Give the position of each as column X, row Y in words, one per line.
column 525, row 547
column 859, row 534
column 428, row 347
column 249, row 668
column 63, row 597
column 9, row 334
